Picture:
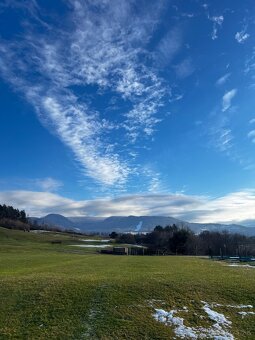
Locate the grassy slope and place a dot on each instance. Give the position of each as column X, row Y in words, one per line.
column 50, row 292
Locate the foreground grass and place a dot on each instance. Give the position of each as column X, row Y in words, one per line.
column 50, row 292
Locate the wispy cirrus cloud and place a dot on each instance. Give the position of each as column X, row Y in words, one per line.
column 184, row 69
column 97, row 48
column 219, row 131
column 242, row 36
column 222, row 80
column 80, row 133
column 233, row 207
column 227, row 99
column 217, row 23
column 48, row 184
column 224, row 139
column 169, row 46
column 251, row 135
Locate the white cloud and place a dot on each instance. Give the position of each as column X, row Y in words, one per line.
column 251, row 135
column 222, row 80
column 217, row 23
column 241, row 36
column 48, row 184
column 252, row 121
column 184, row 69
column 102, row 49
column 225, row 138
column 221, row 135
column 188, row 15
column 233, row 207
column 78, row 131
column 250, row 68
column 169, row 46
column 227, row 99
column 154, row 180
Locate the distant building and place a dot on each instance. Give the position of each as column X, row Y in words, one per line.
column 126, row 251
column 120, row 250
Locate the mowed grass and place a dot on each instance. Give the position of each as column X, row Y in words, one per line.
column 50, row 291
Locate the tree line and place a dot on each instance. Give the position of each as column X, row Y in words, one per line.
column 172, row 240
column 12, row 218
column 7, row 211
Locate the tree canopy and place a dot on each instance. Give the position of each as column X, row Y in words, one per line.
column 13, row 214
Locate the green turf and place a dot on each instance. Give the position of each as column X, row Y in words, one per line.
column 52, row 291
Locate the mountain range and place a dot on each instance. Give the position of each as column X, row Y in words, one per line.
column 126, row 224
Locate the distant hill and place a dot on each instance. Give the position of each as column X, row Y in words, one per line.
column 134, row 224
column 87, row 223
column 232, row 228
column 55, row 220
column 137, row 223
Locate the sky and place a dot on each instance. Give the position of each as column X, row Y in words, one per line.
column 124, row 107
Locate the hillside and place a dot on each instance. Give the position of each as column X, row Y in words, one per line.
column 54, row 291
column 135, row 224
column 54, row 220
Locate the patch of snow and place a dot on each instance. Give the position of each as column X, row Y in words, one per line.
column 218, row 331
column 90, row 245
column 93, row 240
column 215, row 316
column 180, row 329
column 139, row 226
column 243, row 314
column 232, row 306
column 241, row 265
column 153, row 301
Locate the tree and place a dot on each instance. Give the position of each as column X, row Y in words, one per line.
column 113, row 235
column 23, row 217
column 126, row 238
column 9, row 215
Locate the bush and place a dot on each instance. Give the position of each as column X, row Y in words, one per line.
column 14, row 224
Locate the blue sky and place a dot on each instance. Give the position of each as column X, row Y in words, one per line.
column 128, row 107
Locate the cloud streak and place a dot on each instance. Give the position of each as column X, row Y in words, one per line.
column 184, row 69
column 251, row 135
column 222, row 80
column 48, row 184
column 169, row 46
column 227, row 99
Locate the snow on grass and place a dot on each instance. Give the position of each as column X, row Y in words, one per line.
column 220, row 330
column 243, row 314
column 241, row 265
column 93, row 240
column 180, row 330
column 215, row 316
column 90, row 245
column 232, row 306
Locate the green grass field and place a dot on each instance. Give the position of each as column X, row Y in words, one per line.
column 53, row 291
